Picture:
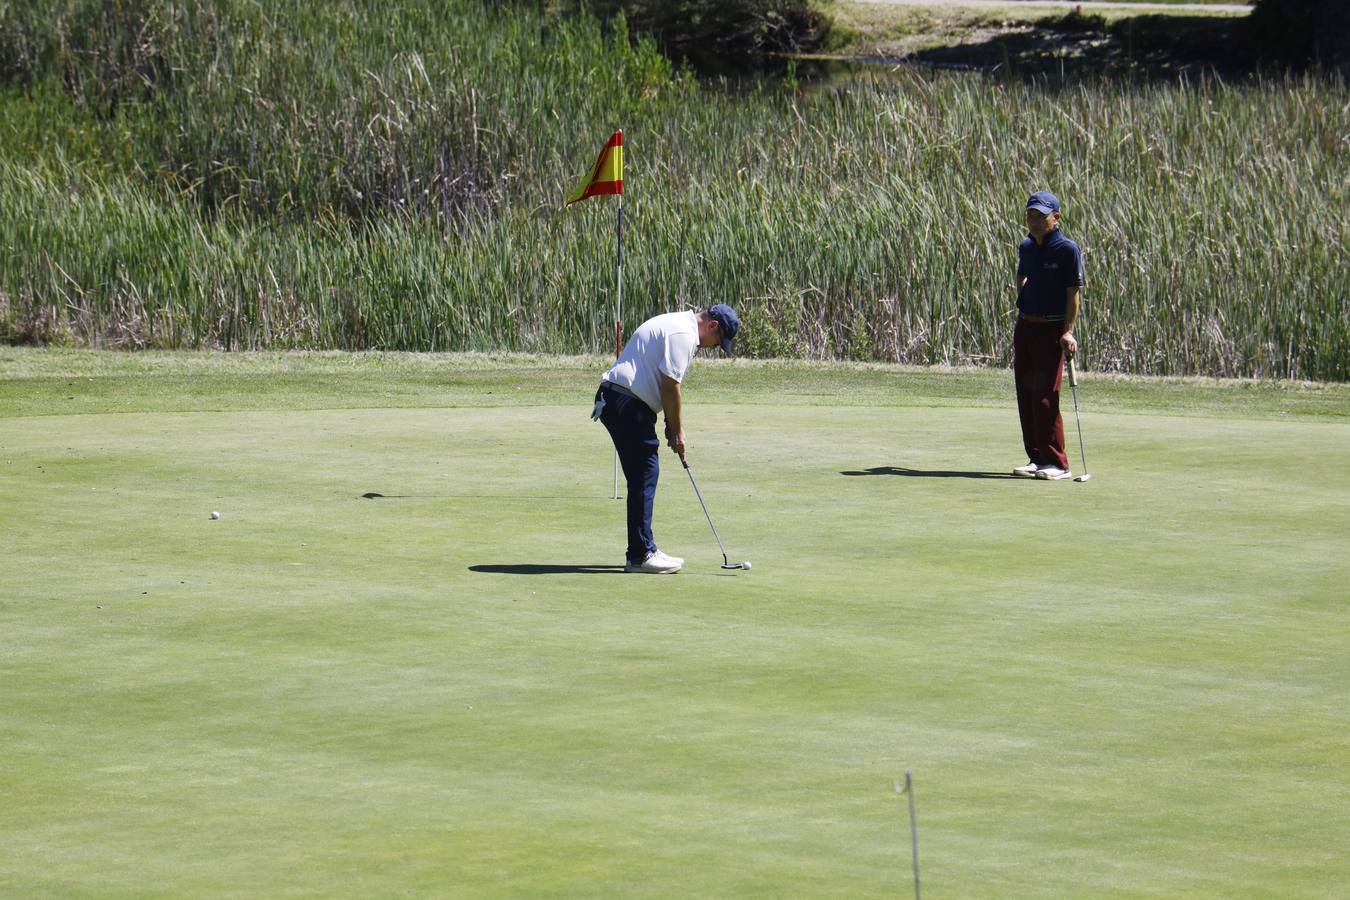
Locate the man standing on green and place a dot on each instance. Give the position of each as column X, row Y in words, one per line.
column 643, row 382
column 1049, row 279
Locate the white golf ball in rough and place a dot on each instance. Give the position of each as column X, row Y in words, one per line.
column 215, row 515
column 747, row 563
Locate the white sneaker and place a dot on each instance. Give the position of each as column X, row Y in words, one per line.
column 1053, row 473
column 666, row 558
column 656, row 563
column 1027, row 471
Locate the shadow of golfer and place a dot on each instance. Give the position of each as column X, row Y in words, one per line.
column 923, row 473
column 535, row 569
column 373, row 495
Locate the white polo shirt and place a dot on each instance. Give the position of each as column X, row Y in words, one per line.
column 663, row 344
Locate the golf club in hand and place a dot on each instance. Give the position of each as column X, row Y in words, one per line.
column 725, row 563
column 1073, row 387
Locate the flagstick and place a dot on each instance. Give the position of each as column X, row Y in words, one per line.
column 913, row 826
column 607, row 178
column 618, row 326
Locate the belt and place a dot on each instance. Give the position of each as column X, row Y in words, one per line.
column 1039, row 320
column 619, row 389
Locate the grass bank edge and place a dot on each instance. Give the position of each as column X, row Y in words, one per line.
column 192, row 380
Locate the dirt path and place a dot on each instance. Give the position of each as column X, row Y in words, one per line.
column 1088, row 5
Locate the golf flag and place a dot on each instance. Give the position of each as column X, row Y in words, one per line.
column 607, row 176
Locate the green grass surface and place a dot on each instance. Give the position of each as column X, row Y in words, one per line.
column 1121, row 688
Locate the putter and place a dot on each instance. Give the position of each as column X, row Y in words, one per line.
column 1073, row 387
column 725, row 563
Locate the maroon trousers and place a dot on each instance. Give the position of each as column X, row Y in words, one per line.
column 1038, row 367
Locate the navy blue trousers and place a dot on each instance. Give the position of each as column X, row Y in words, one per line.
column 632, row 426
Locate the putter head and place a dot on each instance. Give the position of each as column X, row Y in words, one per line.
column 1083, row 477
column 735, row 565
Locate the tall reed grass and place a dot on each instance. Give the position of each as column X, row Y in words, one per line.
column 365, row 175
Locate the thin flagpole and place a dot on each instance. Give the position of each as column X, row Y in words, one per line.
column 618, row 305
column 913, row 826
column 913, row 832
column 618, row 325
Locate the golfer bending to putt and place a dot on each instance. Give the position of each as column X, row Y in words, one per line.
column 646, row 380
column 1049, row 279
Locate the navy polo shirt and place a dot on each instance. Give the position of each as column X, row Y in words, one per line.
column 1050, row 270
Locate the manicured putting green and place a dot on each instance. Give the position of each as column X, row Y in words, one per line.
column 1130, row 687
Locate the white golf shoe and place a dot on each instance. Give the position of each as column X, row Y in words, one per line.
column 656, row 563
column 1027, row 471
column 1053, row 473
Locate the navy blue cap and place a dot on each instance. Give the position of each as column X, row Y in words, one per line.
column 1043, row 202
column 730, row 322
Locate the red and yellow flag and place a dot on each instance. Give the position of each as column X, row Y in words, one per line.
column 607, row 176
